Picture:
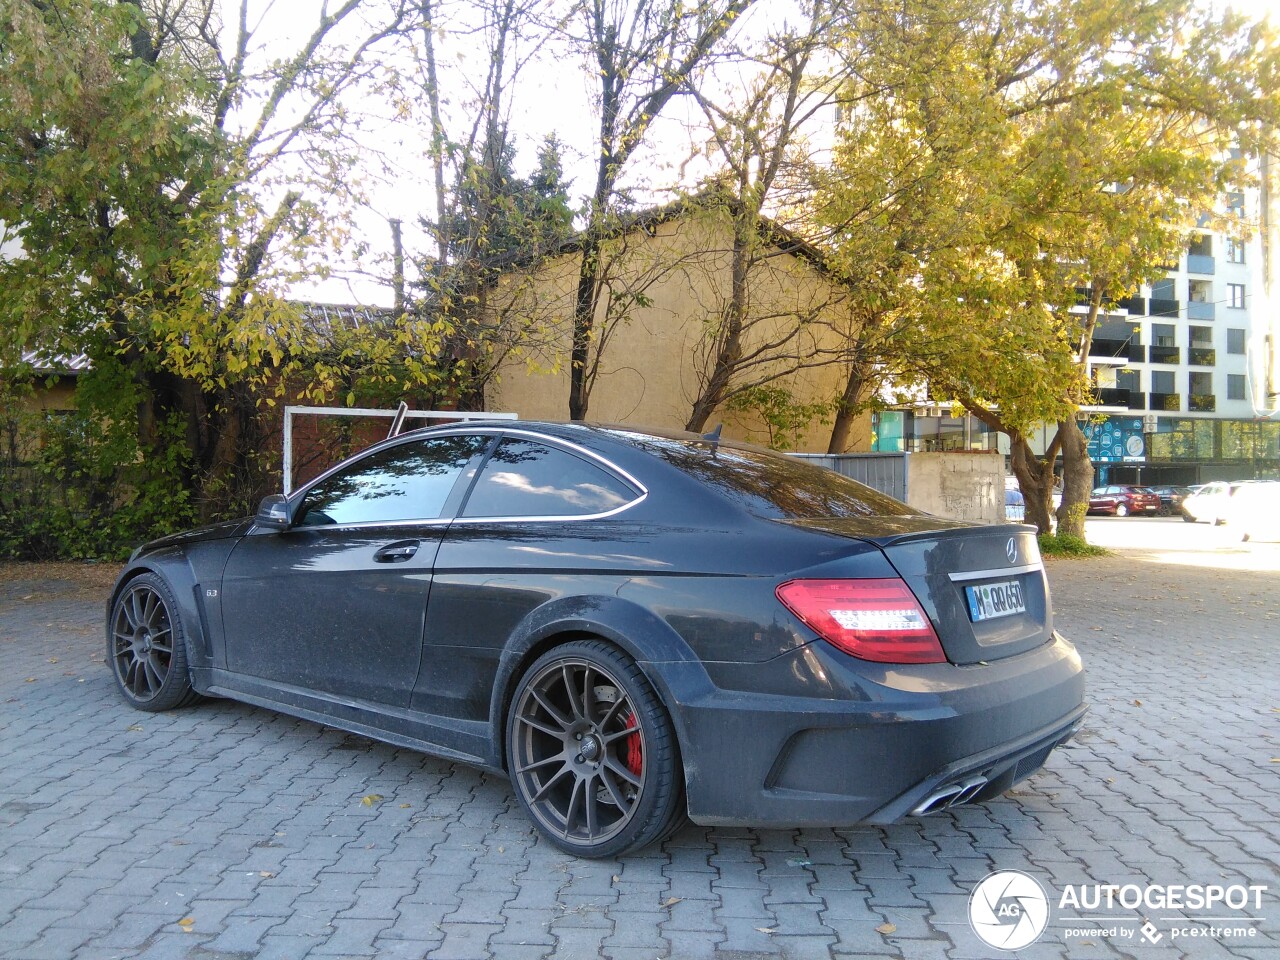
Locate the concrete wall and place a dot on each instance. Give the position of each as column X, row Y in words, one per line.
column 959, row 486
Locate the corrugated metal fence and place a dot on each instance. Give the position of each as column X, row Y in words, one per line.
column 886, row 472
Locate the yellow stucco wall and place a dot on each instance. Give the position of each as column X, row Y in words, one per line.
column 651, row 364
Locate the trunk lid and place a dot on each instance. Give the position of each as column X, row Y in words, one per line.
column 983, row 587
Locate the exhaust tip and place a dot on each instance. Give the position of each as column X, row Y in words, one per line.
column 953, row 794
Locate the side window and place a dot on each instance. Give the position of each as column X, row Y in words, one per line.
column 527, row 479
column 410, row 481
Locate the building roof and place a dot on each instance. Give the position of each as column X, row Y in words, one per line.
column 323, row 319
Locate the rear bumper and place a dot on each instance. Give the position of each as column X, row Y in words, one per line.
column 816, row 738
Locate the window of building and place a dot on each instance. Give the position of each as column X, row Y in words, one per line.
column 1200, row 291
column 1200, row 336
column 1129, row 380
column 1235, row 386
column 1201, row 384
column 1235, row 250
column 1162, row 335
column 1235, row 295
column 1162, row 381
column 1163, row 289
column 1235, row 341
column 1201, row 245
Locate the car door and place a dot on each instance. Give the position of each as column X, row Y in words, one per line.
column 335, row 604
column 535, row 526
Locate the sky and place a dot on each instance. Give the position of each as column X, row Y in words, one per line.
column 554, row 95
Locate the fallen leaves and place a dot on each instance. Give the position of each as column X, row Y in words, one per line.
column 886, row 928
column 370, row 799
column 671, row 901
column 187, row 924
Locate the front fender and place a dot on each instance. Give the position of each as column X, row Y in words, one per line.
column 194, row 575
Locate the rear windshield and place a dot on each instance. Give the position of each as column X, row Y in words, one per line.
column 772, row 485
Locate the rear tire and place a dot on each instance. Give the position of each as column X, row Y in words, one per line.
column 592, row 752
column 147, row 647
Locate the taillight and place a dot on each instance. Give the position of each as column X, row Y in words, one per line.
column 878, row 620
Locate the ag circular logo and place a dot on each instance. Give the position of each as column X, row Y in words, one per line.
column 1008, row 910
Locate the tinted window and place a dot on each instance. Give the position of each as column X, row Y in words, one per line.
column 410, row 481
column 527, row 479
column 775, row 486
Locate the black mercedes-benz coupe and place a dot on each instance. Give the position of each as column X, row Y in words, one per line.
column 634, row 627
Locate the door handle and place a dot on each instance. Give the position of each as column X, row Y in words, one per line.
column 396, row 552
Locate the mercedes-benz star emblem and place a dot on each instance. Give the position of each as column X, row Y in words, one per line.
column 1011, row 550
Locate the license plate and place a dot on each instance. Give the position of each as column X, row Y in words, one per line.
column 990, row 600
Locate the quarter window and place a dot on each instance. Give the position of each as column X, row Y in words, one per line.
column 410, row 481
column 527, row 479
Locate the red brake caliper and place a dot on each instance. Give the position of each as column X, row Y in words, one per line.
column 633, row 751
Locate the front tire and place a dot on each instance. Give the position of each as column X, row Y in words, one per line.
column 592, row 753
column 146, row 647
column 1122, row 510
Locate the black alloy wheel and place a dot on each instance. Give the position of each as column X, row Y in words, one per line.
column 146, row 647
column 592, row 753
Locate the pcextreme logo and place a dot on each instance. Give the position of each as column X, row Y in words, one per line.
column 1010, row 910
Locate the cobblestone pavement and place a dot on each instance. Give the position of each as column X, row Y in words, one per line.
column 224, row 832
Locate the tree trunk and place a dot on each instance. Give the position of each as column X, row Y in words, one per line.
column 584, row 312
column 733, row 319
column 1035, row 480
column 847, row 409
column 1077, row 479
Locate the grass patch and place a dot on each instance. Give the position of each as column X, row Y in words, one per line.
column 1065, row 545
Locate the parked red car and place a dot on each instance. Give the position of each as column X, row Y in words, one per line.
column 1121, row 501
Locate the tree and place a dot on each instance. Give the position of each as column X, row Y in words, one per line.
column 643, row 55
column 164, row 191
column 750, row 343
column 1039, row 150
column 488, row 221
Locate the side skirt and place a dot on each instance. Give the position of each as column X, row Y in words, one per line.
column 464, row 741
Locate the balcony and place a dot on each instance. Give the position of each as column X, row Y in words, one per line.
column 1119, row 352
column 1202, row 357
column 1137, row 306
column 1202, row 402
column 1199, row 263
column 1199, row 311
column 1137, row 400
column 1166, row 401
column 1163, row 308
column 1113, row 397
column 1164, row 355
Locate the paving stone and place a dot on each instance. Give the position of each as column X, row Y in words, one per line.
column 252, row 823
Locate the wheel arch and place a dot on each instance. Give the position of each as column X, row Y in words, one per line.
column 639, row 633
column 174, row 568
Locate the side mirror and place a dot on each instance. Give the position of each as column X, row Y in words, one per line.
column 273, row 512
